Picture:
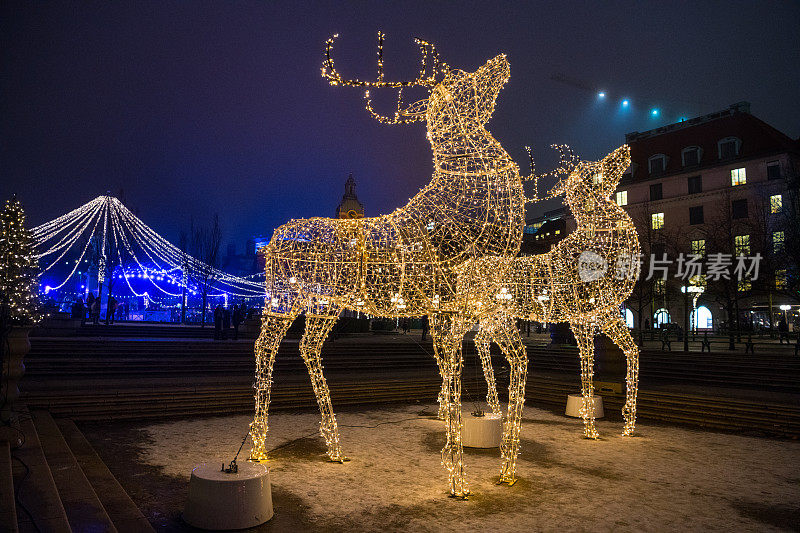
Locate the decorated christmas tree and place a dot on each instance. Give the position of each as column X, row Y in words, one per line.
column 19, row 283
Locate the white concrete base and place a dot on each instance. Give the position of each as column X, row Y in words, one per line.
column 481, row 431
column 575, row 401
column 228, row 501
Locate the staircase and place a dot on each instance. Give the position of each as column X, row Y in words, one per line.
column 139, row 379
column 61, row 484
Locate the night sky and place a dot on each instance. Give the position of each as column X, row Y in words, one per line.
column 200, row 107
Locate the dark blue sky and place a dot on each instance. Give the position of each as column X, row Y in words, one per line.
column 196, row 107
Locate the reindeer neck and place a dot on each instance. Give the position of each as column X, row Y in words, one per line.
column 473, row 155
column 602, row 210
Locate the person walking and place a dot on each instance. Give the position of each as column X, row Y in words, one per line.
column 96, row 311
column 77, row 309
column 425, row 326
column 226, row 322
column 237, row 319
column 783, row 331
column 218, row 322
column 111, row 309
column 89, row 306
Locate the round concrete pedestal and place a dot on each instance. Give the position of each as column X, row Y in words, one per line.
column 228, row 501
column 481, row 431
column 575, row 401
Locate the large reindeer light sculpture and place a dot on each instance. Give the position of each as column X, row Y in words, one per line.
column 401, row 264
column 583, row 280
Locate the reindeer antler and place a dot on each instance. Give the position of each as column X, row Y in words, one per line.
column 430, row 57
column 568, row 161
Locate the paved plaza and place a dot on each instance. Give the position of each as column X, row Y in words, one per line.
column 666, row 478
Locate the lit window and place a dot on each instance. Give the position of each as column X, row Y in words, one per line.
column 773, row 170
column 775, row 203
column 743, row 285
column 699, row 247
column 657, row 164
column 690, row 156
column 622, row 198
column 558, row 232
column 657, row 220
column 777, row 241
column 780, row 280
column 728, row 148
column 738, row 176
column 741, row 243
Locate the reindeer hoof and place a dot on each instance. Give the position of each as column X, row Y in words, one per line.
column 258, row 457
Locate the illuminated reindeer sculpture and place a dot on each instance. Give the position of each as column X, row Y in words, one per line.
column 582, row 280
column 401, row 264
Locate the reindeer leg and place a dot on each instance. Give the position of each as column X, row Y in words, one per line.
column 440, row 362
column 452, row 329
column 584, row 334
column 508, row 338
column 317, row 329
column 618, row 332
column 483, row 345
column 273, row 329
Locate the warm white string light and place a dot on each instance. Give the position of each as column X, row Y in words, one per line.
column 401, row 264
column 583, row 280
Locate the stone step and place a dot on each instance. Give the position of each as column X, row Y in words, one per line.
column 84, row 510
column 710, row 412
column 8, row 512
column 125, row 515
column 39, row 507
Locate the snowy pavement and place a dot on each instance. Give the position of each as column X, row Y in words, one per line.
column 666, row 478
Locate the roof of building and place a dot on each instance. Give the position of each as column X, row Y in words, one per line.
column 757, row 138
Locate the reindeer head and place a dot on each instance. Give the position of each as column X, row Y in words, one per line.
column 456, row 98
column 598, row 178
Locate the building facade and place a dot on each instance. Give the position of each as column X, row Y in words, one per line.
column 707, row 191
column 715, row 187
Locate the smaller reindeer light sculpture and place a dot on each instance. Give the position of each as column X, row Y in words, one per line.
column 583, row 280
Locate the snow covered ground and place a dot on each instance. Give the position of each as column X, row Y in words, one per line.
column 665, row 478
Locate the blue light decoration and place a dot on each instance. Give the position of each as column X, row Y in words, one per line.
column 654, row 112
column 625, row 103
column 601, row 94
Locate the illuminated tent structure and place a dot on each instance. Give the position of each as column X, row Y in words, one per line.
column 103, row 239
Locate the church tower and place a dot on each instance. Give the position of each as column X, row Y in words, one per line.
column 350, row 207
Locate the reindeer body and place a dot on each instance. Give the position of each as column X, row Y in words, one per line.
column 403, row 263
column 582, row 280
column 400, row 264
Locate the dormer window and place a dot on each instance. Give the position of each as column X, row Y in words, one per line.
column 729, row 147
column 657, row 164
column 690, row 156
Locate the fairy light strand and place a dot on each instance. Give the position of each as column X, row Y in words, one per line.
column 402, row 264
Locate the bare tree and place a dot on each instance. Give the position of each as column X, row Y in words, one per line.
column 205, row 244
column 720, row 233
column 788, row 221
